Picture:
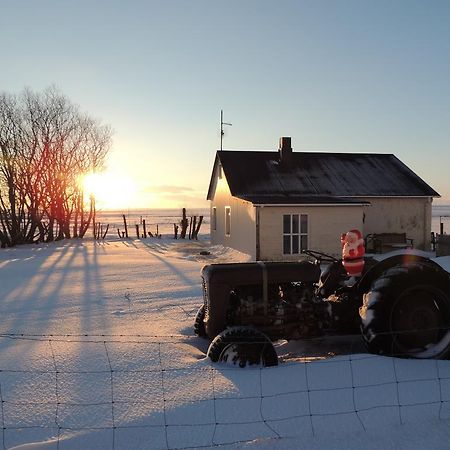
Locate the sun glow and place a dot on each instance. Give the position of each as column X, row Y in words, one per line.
column 111, row 190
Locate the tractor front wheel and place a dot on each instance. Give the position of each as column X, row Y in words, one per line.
column 242, row 346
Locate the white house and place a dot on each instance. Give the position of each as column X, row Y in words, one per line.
column 273, row 205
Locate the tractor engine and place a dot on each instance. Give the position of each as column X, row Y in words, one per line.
column 291, row 310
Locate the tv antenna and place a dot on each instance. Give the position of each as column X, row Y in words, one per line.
column 222, row 123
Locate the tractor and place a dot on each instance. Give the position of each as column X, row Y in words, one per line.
column 400, row 305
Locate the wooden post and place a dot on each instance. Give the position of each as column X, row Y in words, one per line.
column 197, row 228
column 157, row 230
column 106, row 231
column 194, row 224
column 125, row 225
column 94, row 217
column 145, row 228
column 190, row 228
column 175, row 230
column 184, row 225
column 118, row 232
column 137, row 231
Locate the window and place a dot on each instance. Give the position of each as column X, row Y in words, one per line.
column 227, row 221
column 295, row 233
column 214, row 219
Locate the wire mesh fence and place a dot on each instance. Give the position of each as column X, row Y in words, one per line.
column 141, row 392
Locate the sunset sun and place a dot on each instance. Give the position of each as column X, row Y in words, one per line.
column 111, row 190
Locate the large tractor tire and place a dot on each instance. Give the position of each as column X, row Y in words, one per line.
column 242, row 346
column 407, row 312
column 199, row 324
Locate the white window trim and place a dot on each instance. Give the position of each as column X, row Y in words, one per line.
column 214, row 219
column 299, row 234
column 228, row 231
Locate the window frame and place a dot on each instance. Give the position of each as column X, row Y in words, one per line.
column 295, row 230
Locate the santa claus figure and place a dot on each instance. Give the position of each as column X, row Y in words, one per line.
column 353, row 252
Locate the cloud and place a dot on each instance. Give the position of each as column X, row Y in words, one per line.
column 185, row 200
column 168, row 190
column 172, row 196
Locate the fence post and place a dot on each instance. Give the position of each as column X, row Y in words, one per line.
column 190, row 228
column 106, row 232
column 184, row 224
column 125, row 225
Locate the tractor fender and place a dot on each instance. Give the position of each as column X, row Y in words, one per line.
column 379, row 268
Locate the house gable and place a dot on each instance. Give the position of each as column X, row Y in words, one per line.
column 218, row 184
column 217, row 176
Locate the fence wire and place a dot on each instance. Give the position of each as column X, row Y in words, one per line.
column 141, row 393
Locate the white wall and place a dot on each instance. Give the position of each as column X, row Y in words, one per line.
column 242, row 233
column 325, row 226
column 400, row 215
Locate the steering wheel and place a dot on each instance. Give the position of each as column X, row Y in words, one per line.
column 320, row 256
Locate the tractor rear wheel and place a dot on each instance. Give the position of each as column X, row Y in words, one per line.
column 407, row 312
column 242, row 346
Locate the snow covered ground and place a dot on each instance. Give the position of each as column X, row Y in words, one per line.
column 97, row 352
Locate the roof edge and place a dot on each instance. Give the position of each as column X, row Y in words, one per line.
column 209, row 195
column 310, row 204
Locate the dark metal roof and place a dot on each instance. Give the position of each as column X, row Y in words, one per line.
column 255, row 174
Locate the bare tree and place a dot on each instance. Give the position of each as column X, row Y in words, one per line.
column 11, row 199
column 46, row 146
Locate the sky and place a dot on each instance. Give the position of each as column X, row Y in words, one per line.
column 336, row 76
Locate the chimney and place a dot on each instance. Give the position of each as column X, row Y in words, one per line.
column 285, row 151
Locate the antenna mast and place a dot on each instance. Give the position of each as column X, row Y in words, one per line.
column 222, row 123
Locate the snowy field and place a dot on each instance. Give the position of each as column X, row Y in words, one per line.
column 97, row 352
